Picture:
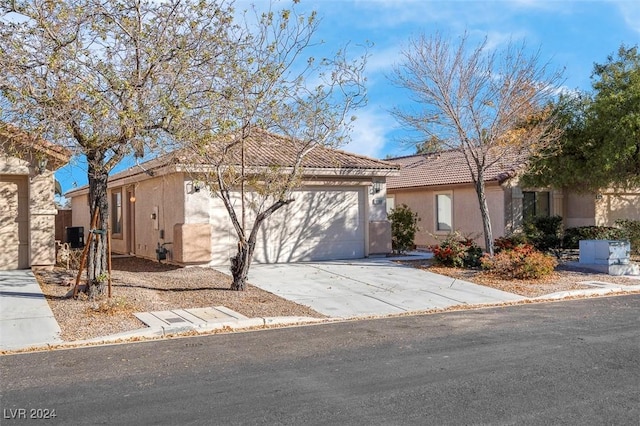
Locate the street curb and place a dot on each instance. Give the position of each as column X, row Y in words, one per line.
column 610, row 289
column 231, row 325
column 281, row 321
column 266, row 322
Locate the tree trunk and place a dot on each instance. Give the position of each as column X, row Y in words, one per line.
column 484, row 213
column 240, row 264
column 97, row 258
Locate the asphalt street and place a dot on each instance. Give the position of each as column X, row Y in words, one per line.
column 573, row 362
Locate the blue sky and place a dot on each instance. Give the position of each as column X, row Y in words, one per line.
column 569, row 34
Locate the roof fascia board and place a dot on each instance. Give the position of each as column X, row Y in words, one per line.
column 306, row 171
column 440, row 187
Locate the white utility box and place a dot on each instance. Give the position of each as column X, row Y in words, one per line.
column 608, row 256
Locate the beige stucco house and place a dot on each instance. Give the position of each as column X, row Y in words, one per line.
column 439, row 188
column 339, row 210
column 27, row 208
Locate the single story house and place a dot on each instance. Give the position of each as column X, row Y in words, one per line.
column 339, row 210
column 440, row 189
column 27, row 210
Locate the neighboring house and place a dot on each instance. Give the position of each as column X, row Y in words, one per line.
column 339, row 211
column 27, row 208
column 439, row 188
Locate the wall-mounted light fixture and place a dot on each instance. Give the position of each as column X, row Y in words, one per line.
column 132, row 198
column 376, row 187
column 194, row 186
column 42, row 166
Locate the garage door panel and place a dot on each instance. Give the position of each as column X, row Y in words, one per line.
column 319, row 225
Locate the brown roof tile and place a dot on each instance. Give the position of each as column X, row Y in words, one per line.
column 263, row 149
column 447, row 168
column 18, row 137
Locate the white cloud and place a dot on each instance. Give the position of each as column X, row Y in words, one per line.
column 369, row 134
column 383, row 59
column 630, row 13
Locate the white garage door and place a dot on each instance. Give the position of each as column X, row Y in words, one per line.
column 321, row 224
column 14, row 223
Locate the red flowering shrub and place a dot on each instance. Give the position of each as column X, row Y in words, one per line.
column 457, row 252
column 522, row 262
column 509, row 243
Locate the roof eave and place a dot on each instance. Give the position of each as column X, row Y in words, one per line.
column 391, row 187
column 15, row 135
column 133, row 175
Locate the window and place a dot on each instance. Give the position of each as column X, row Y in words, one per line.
column 116, row 212
column 391, row 204
column 444, row 212
column 535, row 204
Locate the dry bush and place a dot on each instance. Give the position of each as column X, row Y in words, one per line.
column 522, row 262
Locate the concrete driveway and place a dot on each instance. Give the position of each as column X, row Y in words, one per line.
column 365, row 287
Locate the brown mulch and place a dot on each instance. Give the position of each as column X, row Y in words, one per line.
column 140, row 285
column 566, row 277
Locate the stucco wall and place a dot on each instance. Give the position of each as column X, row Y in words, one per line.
column 379, row 233
column 380, row 237
column 80, row 212
column 42, row 219
column 162, row 196
column 579, row 209
column 40, row 211
column 466, row 212
column 14, row 222
column 613, row 205
column 186, row 215
column 158, row 208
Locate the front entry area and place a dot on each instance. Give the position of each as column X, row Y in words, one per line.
column 14, row 222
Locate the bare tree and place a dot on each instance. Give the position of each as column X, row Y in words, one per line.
column 486, row 104
column 108, row 78
column 270, row 98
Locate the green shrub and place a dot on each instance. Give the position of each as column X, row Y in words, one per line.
column 572, row 236
column 522, row 262
column 544, row 232
column 630, row 230
column 404, row 225
column 458, row 252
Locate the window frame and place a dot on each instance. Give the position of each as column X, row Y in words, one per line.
column 436, row 215
column 389, row 197
column 535, row 204
column 116, row 214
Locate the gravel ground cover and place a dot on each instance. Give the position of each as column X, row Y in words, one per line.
column 140, row 285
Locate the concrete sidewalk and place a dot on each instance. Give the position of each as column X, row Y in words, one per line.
column 25, row 317
column 366, row 287
column 26, row 320
column 338, row 289
column 200, row 320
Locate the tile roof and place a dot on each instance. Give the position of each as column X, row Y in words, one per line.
column 264, row 149
column 447, row 168
column 17, row 137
